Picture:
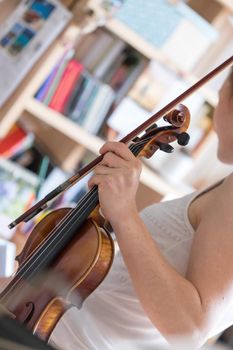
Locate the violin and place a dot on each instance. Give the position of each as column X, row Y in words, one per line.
column 70, row 251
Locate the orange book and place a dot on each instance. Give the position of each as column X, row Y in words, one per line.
column 12, row 141
column 66, row 85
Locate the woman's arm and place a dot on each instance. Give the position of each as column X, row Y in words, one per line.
column 176, row 305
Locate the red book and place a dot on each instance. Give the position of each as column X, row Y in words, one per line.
column 12, row 141
column 66, row 85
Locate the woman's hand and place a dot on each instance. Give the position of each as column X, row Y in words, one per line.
column 117, row 178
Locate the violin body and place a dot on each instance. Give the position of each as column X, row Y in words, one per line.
column 72, row 276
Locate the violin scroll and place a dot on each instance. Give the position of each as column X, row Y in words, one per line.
column 178, row 117
column 159, row 138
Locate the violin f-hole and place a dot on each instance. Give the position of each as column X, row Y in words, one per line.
column 31, row 312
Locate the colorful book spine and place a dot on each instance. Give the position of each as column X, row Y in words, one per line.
column 75, row 95
column 109, row 59
column 66, row 85
column 99, row 108
column 130, row 80
column 79, row 108
column 97, row 50
column 42, row 92
column 13, row 141
column 88, row 104
column 56, row 77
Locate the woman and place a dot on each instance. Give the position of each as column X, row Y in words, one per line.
column 172, row 280
column 171, row 283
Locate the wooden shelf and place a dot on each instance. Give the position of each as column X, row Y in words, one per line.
column 64, row 125
column 125, row 33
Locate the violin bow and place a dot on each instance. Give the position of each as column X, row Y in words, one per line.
column 42, row 204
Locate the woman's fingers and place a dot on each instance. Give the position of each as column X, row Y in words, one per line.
column 117, row 148
column 103, row 170
column 117, row 155
column 95, row 180
column 113, row 160
column 117, row 178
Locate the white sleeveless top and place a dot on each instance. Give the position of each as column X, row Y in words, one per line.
column 112, row 317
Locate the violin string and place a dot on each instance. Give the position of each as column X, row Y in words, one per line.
column 36, row 254
column 52, row 237
column 136, row 147
column 22, row 273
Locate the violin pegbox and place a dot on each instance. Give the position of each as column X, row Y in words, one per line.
column 159, row 138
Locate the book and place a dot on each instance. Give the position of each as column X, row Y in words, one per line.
column 24, row 37
column 18, row 190
column 34, row 160
column 57, row 74
column 130, row 61
column 41, row 93
column 67, row 83
column 108, row 60
column 151, row 85
column 116, row 64
column 103, row 43
column 88, row 103
column 75, row 95
column 7, row 258
column 47, row 89
column 93, row 47
column 84, row 44
column 17, row 140
column 130, row 79
column 98, row 109
column 82, row 102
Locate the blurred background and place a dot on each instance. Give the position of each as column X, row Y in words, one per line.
column 77, row 73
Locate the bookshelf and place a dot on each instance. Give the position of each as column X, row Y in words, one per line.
column 22, row 106
column 90, row 142
column 152, row 53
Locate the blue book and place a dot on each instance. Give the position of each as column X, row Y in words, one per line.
column 41, row 93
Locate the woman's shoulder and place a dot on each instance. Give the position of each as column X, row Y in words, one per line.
column 221, row 188
column 225, row 192
column 228, row 181
column 220, row 201
column 212, row 202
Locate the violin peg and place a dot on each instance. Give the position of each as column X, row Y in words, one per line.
column 152, row 127
column 183, row 139
column 165, row 147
